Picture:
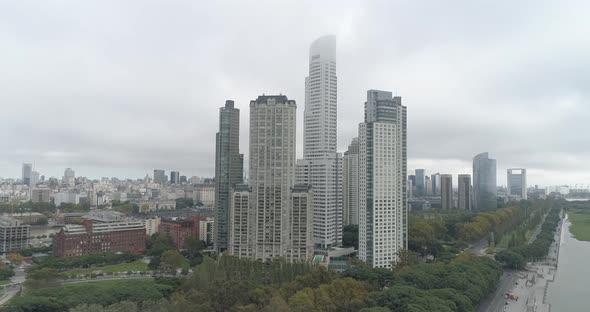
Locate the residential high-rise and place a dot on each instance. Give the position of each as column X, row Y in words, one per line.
column 446, row 191
column 321, row 166
column 160, row 176
column 383, row 202
column 174, row 177
column 26, row 176
column 350, row 184
column 464, row 192
column 484, row 182
column 517, row 182
column 271, row 174
column 301, row 224
column 420, row 182
column 228, row 170
column 241, row 238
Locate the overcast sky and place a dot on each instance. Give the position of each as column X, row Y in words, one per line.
column 118, row 88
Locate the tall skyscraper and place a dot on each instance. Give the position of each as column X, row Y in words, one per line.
column 420, row 182
column 229, row 170
column 160, row 176
column 174, row 177
column 446, row 191
column 69, row 177
column 272, row 174
column 321, row 166
column 383, row 205
column 517, row 182
column 464, row 192
column 435, row 180
column 350, row 183
column 26, row 174
column 484, row 182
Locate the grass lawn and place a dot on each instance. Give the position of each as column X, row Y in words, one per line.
column 121, row 267
column 4, row 282
column 580, row 227
column 101, row 292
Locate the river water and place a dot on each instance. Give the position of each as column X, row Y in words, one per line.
column 571, row 290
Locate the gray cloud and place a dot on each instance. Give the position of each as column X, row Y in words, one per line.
column 116, row 88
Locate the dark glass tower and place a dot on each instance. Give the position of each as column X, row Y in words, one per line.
column 228, row 170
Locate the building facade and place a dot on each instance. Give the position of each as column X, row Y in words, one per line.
column 321, row 162
column 301, row 223
column 152, row 225
column 446, row 189
column 350, row 184
column 382, row 180
column 229, row 170
column 174, row 177
column 160, row 176
column 100, row 233
column 241, row 242
column 464, row 192
column 517, row 183
column 41, row 195
column 14, row 235
column 179, row 229
column 420, row 175
column 484, row 182
column 272, row 173
column 26, row 174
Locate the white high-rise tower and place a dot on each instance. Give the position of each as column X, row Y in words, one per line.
column 321, row 166
column 383, row 202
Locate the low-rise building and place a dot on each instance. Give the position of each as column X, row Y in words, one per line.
column 29, row 217
column 41, row 195
column 14, row 235
column 157, row 205
column 100, row 231
column 179, row 229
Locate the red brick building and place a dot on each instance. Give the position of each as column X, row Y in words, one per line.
column 94, row 237
column 180, row 229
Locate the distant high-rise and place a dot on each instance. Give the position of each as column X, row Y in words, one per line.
column 464, row 192
column 183, row 179
column 517, row 183
column 383, row 205
column 321, row 166
column 350, row 184
column 420, row 182
column 435, row 180
column 174, row 177
column 160, row 176
column 484, row 182
column 446, row 191
column 229, row 170
column 26, row 175
column 69, row 177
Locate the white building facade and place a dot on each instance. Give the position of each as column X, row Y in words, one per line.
column 383, row 205
column 321, row 166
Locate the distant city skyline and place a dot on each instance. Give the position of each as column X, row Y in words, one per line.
column 99, row 108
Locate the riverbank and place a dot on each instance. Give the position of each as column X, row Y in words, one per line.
column 530, row 285
column 533, row 283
